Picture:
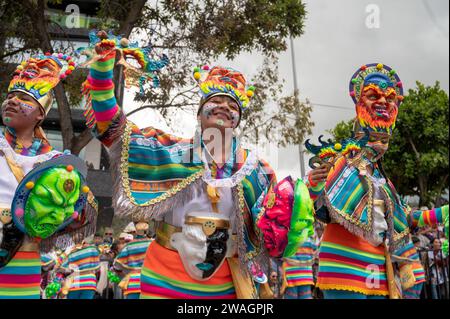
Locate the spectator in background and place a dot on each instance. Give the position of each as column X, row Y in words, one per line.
column 274, row 284
column 438, row 269
column 108, row 235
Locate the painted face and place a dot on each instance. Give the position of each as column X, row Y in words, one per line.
column 377, row 107
column 51, row 202
column 21, row 110
column 220, row 112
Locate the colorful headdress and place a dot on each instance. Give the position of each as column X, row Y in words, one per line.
column 379, row 77
column 223, row 81
column 39, row 75
column 144, row 57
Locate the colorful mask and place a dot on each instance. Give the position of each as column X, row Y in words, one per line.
column 377, row 92
column 328, row 152
column 51, row 202
column 51, row 197
column 223, row 81
column 39, row 75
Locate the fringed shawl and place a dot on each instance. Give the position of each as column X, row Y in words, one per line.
column 154, row 172
column 349, row 198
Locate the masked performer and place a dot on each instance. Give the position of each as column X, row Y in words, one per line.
column 31, row 218
column 130, row 260
column 366, row 251
column 201, row 196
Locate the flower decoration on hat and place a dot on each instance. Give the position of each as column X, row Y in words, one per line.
column 223, row 81
column 38, row 75
column 377, row 92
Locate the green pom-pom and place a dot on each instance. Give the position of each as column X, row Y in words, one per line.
column 392, row 72
column 355, row 81
column 251, row 88
column 196, row 69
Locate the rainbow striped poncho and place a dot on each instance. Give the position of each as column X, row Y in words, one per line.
column 154, row 172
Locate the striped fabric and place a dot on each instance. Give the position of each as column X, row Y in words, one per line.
column 86, row 258
column 86, row 261
column 163, row 277
column 347, row 262
column 134, row 284
column 47, row 262
column 38, row 147
column 131, row 258
column 300, row 275
column 409, row 251
column 413, row 292
column 298, row 292
column 84, row 281
column 349, row 200
column 157, row 162
column 421, row 218
column 21, row 277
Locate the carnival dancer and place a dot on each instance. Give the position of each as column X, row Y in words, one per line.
column 417, row 219
column 201, row 191
column 130, row 259
column 366, row 251
column 83, row 264
column 31, row 221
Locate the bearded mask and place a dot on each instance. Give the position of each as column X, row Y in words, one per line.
column 377, row 92
column 39, row 75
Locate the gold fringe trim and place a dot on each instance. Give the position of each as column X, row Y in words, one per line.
column 125, row 177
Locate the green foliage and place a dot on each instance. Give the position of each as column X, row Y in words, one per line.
column 194, row 33
column 418, row 158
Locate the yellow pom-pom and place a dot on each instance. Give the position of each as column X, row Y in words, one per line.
column 197, row 76
column 85, row 189
column 337, row 146
column 29, row 185
column 380, row 66
column 250, row 93
column 71, row 67
column 23, row 63
column 20, row 67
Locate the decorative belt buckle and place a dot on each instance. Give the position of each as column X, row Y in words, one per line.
column 209, row 227
column 5, row 216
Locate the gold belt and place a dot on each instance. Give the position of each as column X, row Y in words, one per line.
column 164, row 231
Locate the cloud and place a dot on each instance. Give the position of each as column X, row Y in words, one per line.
column 412, row 38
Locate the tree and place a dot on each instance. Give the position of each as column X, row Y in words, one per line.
column 194, row 33
column 417, row 159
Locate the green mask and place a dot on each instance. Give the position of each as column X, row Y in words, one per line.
column 51, row 202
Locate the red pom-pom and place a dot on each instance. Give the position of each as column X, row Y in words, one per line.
column 352, row 94
column 399, row 84
column 206, row 68
column 47, row 54
column 72, row 63
column 364, row 67
column 69, row 168
column 68, row 72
